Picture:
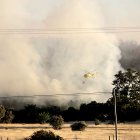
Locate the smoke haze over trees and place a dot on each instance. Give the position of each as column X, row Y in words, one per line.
column 127, row 84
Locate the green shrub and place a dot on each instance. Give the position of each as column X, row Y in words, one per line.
column 43, row 117
column 79, row 126
column 56, row 122
column 97, row 122
column 2, row 111
column 8, row 117
column 44, row 135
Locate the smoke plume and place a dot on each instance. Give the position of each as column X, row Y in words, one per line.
column 55, row 64
column 130, row 51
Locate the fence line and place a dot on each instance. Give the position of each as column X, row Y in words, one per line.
column 110, row 137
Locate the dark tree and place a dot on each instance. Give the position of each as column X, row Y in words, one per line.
column 127, row 84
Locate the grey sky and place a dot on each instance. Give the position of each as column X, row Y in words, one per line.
column 115, row 13
column 122, row 13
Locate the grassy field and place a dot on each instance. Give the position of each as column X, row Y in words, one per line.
column 100, row 132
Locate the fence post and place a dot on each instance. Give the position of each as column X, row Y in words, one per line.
column 113, row 136
column 75, row 137
column 115, row 112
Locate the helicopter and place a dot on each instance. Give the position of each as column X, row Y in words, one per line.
column 88, row 76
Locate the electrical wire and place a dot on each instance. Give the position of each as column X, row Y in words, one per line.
column 84, row 30
column 54, row 95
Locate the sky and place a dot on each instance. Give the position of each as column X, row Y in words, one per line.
column 122, row 13
column 56, row 62
column 115, row 13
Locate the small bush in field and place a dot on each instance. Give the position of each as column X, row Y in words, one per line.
column 2, row 111
column 44, row 135
column 8, row 117
column 43, row 117
column 56, row 122
column 97, row 122
column 79, row 126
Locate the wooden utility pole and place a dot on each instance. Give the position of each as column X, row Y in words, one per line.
column 115, row 113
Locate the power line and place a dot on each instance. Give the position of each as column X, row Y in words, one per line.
column 65, row 33
column 84, row 30
column 54, row 95
column 76, row 28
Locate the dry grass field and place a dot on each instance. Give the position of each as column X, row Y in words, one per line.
column 100, row 132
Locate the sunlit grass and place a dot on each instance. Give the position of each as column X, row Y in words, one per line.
column 92, row 132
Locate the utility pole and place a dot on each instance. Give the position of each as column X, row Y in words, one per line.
column 115, row 113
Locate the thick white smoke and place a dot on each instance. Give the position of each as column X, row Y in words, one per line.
column 20, row 72
column 56, row 63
